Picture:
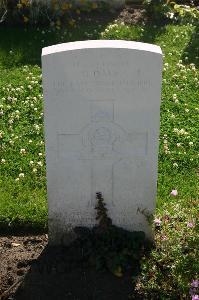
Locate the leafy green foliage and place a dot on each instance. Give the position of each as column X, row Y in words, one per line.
column 185, row 13
column 163, row 11
column 174, row 263
column 157, row 10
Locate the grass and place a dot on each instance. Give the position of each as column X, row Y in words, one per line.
column 173, row 264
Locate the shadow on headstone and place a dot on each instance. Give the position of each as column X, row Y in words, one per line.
column 87, row 269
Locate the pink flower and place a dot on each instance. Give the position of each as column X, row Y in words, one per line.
column 174, row 193
column 190, row 225
column 195, row 283
column 195, row 297
column 157, row 222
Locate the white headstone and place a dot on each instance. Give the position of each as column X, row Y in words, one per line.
column 102, row 109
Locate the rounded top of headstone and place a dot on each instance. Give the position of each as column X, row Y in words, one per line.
column 97, row 44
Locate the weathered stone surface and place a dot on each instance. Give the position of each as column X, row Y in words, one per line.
column 102, row 107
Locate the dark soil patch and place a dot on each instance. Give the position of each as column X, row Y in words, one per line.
column 133, row 14
column 16, row 256
column 30, row 269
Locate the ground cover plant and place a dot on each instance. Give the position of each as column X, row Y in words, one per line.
column 171, row 270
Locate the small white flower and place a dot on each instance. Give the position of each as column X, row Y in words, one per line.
column 191, row 144
column 170, row 15
column 175, row 165
column 36, row 127
column 40, row 163
column 21, row 175
column 182, row 131
column 3, row 161
column 22, row 151
column 34, row 170
column 165, row 147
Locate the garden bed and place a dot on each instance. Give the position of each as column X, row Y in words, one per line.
column 16, row 256
column 32, row 270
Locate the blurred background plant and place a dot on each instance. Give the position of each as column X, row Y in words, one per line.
column 157, row 10
column 184, row 13
column 44, row 12
column 181, row 11
column 56, row 12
